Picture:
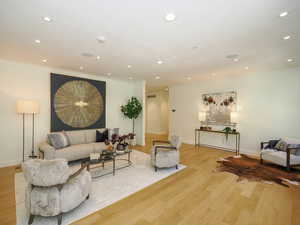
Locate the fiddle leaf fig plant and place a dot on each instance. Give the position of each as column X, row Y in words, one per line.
column 132, row 110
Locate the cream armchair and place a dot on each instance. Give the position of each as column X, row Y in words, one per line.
column 165, row 154
column 288, row 157
column 52, row 190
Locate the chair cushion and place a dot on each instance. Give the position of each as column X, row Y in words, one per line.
column 58, row 140
column 75, row 191
column 164, row 158
column 279, row 157
column 46, row 172
column 76, row 137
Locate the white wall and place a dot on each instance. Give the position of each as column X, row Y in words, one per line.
column 157, row 115
column 25, row 81
column 269, row 101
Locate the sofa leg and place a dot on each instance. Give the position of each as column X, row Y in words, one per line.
column 87, row 197
column 176, row 166
column 31, row 218
column 59, row 219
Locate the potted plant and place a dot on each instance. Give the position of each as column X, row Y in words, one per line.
column 132, row 110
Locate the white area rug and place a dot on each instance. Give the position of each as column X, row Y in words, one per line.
column 105, row 190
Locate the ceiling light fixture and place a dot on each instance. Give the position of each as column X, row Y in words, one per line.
column 159, row 62
column 170, row 17
column 98, row 57
column 283, row 14
column 287, row 37
column 44, row 60
column 157, row 77
column 47, row 19
column 129, row 66
column 37, row 41
column 290, row 60
column 81, row 67
column 101, row 39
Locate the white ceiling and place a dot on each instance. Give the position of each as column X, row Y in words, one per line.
column 137, row 34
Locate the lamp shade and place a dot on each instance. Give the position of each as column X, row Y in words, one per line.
column 234, row 116
column 28, row 107
column 202, row 116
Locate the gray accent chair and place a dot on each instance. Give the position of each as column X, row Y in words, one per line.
column 52, row 190
column 165, row 154
column 288, row 157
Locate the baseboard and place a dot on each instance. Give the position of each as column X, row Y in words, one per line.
column 9, row 163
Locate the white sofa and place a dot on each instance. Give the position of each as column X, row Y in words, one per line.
column 83, row 142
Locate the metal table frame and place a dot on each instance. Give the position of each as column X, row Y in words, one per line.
column 237, row 138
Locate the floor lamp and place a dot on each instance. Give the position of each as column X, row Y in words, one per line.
column 28, row 107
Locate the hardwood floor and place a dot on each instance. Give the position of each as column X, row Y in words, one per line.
column 196, row 195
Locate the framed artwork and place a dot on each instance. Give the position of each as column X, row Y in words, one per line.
column 77, row 103
column 219, row 106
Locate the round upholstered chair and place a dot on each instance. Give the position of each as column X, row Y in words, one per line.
column 165, row 154
column 52, row 190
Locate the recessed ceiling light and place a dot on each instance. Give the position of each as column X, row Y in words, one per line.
column 246, row 68
column 236, row 59
column 170, row 17
column 130, row 78
column 287, row 37
column 129, row 66
column 159, row 62
column 81, row 67
column 47, row 19
column 290, row 60
column 283, row 14
column 157, row 77
column 98, row 57
column 101, row 39
column 44, row 60
column 37, row 41
column 108, row 74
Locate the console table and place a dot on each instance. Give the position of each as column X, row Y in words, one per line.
column 236, row 134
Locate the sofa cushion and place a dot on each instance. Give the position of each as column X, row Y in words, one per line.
column 99, row 147
column 75, row 152
column 279, row 157
column 58, row 140
column 90, row 136
column 76, row 137
column 281, row 145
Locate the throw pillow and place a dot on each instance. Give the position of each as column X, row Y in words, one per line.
column 281, row 145
column 101, row 136
column 272, row 144
column 58, row 140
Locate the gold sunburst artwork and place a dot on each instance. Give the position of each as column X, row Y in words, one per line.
column 78, row 104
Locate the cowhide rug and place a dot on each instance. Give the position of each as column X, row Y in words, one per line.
column 251, row 170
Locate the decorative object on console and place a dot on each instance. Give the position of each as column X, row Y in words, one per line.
column 219, row 106
column 120, row 143
column 132, row 110
column 28, row 107
column 77, row 103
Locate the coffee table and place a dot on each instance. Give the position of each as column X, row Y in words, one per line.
column 105, row 157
